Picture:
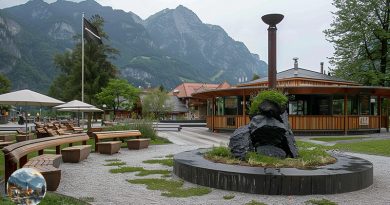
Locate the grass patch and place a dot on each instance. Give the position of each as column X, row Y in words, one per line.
column 87, row 199
column 126, row 169
column 169, row 156
column 50, row 199
column 332, row 139
column 166, row 162
column 146, row 172
column 141, row 170
column 115, row 163
column 160, row 141
column 112, row 160
column 228, row 197
column 171, row 188
column 253, row 202
column 320, row 202
column 308, row 157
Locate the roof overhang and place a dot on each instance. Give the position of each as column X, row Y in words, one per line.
column 252, row 90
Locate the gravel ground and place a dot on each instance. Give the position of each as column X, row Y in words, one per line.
column 91, row 179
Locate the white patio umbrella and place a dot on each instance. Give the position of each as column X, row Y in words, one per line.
column 74, row 104
column 80, row 109
column 28, row 98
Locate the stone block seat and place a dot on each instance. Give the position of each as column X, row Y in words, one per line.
column 75, row 154
column 109, row 147
column 138, row 143
column 48, row 165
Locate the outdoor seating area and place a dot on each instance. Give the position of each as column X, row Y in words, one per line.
column 16, row 156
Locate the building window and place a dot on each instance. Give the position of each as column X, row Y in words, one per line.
column 231, row 104
column 297, row 107
column 219, row 107
column 338, row 105
column 353, row 105
column 364, row 102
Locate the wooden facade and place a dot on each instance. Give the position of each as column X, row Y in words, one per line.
column 346, row 121
column 305, row 123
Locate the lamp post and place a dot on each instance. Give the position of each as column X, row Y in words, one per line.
column 272, row 20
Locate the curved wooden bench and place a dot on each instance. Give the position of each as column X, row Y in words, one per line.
column 48, row 165
column 17, row 153
column 113, row 135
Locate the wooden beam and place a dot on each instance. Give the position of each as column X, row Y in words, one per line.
column 212, row 114
column 380, row 112
column 345, row 114
column 244, row 107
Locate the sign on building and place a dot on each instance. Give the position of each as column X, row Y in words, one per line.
column 363, row 121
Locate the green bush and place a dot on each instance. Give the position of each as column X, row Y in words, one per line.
column 271, row 95
column 144, row 126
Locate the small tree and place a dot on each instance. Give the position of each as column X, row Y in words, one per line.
column 255, row 76
column 156, row 103
column 118, row 93
column 5, row 87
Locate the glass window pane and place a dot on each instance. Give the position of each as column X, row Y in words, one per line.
column 231, row 105
column 219, row 101
column 364, row 101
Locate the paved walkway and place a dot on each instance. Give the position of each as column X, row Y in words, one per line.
column 91, row 179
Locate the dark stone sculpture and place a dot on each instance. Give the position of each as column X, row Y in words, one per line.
column 268, row 133
column 240, row 142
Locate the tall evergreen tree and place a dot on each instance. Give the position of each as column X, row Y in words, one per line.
column 360, row 35
column 97, row 71
column 5, row 84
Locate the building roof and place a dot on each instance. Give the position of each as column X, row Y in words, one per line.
column 185, row 90
column 302, row 73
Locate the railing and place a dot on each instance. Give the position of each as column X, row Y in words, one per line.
column 301, row 122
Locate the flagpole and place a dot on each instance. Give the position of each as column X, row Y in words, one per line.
column 82, row 65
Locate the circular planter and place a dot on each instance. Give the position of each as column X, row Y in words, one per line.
column 347, row 174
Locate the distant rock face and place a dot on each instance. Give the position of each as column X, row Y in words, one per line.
column 168, row 48
column 268, row 134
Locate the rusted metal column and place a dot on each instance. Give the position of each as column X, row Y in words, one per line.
column 272, row 20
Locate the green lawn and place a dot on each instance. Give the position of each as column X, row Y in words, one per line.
column 332, row 139
column 374, row 147
column 51, row 198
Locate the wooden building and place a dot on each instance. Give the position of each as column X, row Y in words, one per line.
column 196, row 106
column 318, row 104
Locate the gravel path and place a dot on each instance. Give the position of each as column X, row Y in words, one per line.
column 91, row 179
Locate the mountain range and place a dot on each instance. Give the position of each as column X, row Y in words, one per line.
column 169, row 47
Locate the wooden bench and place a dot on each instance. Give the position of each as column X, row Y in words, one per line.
column 24, row 137
column 6, row 138
column 138, row 143
column 113, row 135
column 48, row 165
column 16, row 154
column 110, row 147
column 75, row 154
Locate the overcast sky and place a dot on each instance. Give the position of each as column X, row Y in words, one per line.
column 300, row 34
